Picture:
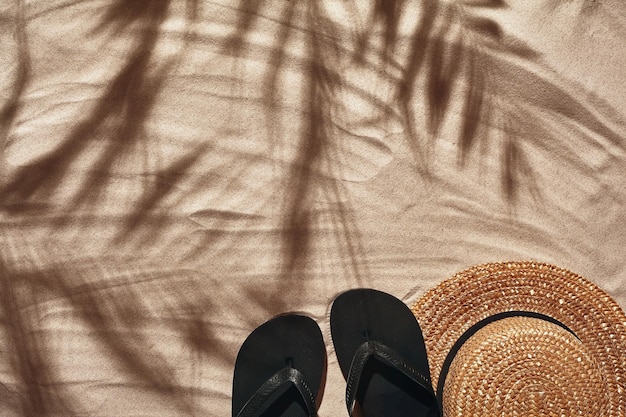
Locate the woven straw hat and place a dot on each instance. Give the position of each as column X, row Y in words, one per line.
column 527, row 339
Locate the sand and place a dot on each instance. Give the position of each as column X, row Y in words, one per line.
column 175, row 173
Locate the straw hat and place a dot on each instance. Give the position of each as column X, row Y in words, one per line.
column 527, row 339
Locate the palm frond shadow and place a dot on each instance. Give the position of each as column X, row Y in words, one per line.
column 116, row 307
column 126, row 100
column 456, row 51
column 414, row 64
column 29, row 363
column 467, row 61
column 431, row 51
column 10, row 109
column 118, row 118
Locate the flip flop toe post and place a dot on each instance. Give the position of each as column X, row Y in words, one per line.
column 381, row 353
column 280, row 369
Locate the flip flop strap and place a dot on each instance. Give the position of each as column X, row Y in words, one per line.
column 285, row 376
column 387, row 356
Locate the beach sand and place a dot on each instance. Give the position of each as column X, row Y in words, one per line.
column 175, row 173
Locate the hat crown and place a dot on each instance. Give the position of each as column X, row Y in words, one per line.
column 523, row 366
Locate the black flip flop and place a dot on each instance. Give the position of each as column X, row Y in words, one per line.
column 280, row 369
column 381, row 352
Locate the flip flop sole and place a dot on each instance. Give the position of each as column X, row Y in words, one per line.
column 291, row 341
column 362, row 315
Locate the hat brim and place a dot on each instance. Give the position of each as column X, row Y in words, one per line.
column 447, row 311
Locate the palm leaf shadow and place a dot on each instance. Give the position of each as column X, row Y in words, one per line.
column 126, row 104
column 122, row 100
column 472, row 62
column 9, row 111
column 406, row 88
column 115, row 309
column 316, row 148
column 448, row 60
column 35, row 379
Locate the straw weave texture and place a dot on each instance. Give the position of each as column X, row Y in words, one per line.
column 526, row 366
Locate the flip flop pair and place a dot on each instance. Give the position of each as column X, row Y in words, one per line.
column 280, row 368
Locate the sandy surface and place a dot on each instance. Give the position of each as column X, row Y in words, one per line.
column 174, row 173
